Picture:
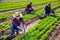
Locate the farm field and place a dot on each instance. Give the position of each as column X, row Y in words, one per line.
column 5, row 25
column 15, row 5
column 42, row 30
column 35, row 8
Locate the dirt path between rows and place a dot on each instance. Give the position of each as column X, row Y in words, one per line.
column 33, row 22
column 57, row 9
column 1, row 21
column 18, row 9
column 55, row 35
column 30, row 24
column 22, row 9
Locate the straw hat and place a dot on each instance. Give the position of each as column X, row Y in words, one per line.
column 17, row 15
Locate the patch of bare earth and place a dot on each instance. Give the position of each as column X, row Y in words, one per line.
column 55, row 35
column 29, row 24
column 33, row 24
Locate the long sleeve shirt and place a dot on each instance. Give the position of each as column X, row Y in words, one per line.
column 47, row 9
column 16, row 22
column 28, row 6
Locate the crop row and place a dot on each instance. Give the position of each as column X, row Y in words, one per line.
column 5, row 16
column 5, row 25
column 39, row 31
column 58, row 13
column 14, row 5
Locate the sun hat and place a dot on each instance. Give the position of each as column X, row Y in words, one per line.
column 17, row 15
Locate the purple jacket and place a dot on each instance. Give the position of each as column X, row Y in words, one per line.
column 16, row 23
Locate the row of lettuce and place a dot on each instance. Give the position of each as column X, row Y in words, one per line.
column 5, row 16
column 6, row 25
column 8, row 15
column 41, row 30
column 15, row 5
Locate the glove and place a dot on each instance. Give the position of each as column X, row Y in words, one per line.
column 26, row 30
column 18, row 27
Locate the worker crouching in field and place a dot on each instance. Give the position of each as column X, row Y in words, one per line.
column 17, row 19
column 29, row 9
column 47, row 9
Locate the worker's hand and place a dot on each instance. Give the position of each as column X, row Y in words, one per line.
column 18, row 27
column 25, row 28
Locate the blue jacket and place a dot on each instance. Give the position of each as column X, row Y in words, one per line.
column 47, row 9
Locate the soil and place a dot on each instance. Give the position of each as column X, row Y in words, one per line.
column 18, row 9
column 9, row 11
column 55, row 35
column 29, row 24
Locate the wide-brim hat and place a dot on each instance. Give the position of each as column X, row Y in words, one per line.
column 17, row 15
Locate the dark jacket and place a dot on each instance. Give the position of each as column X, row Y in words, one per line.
column 47, row 9
column 29, row 6
column 16, row 23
